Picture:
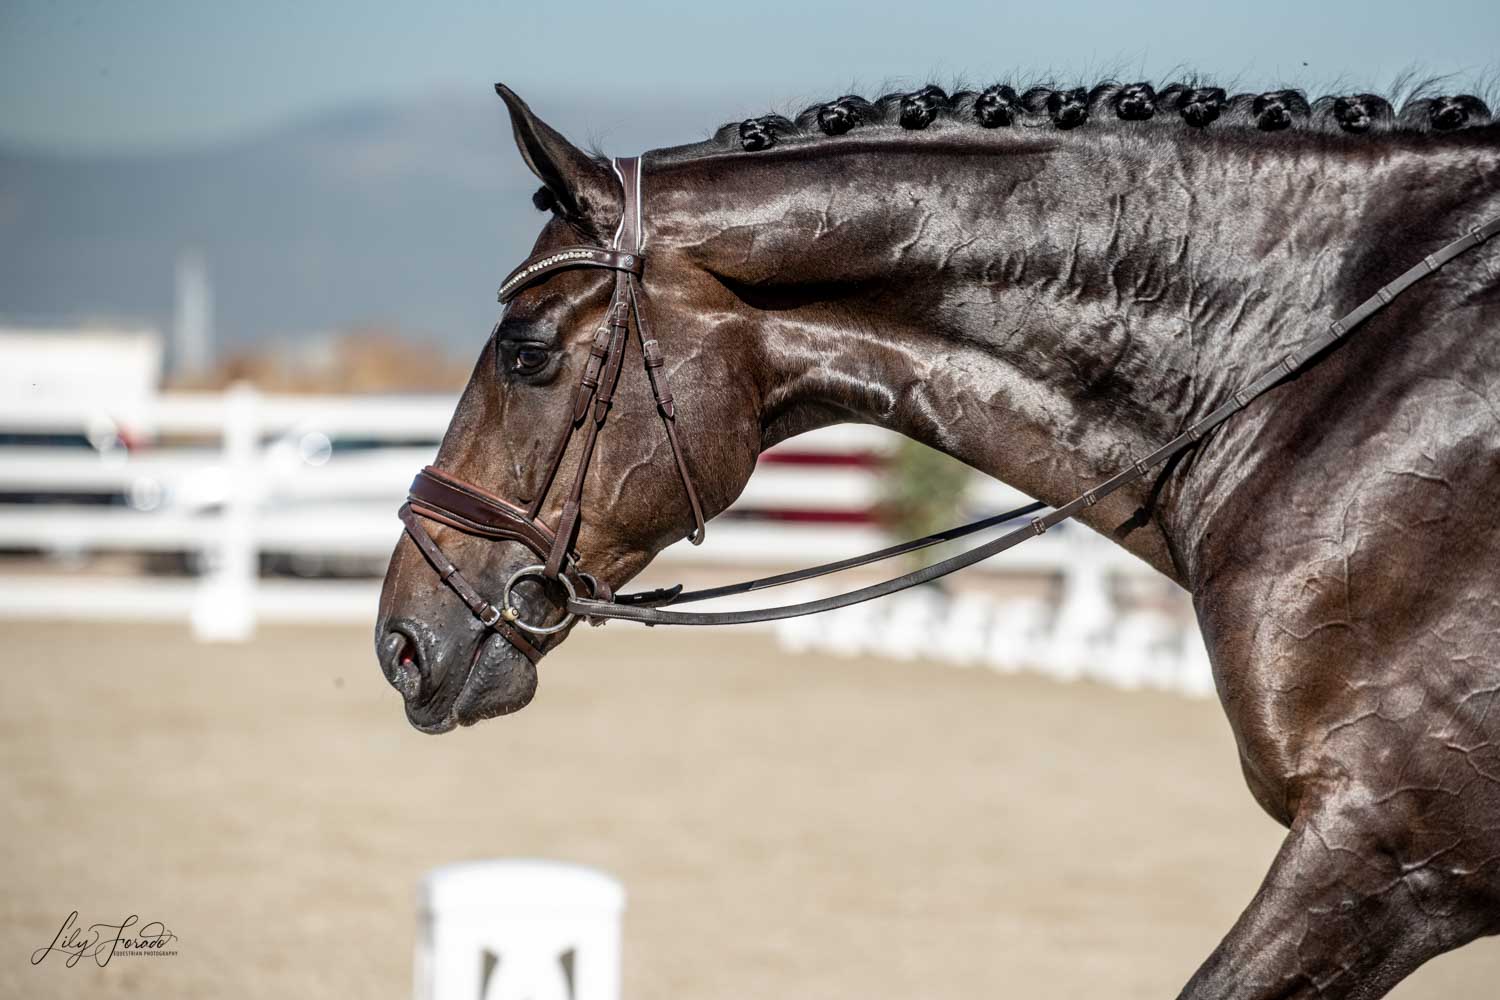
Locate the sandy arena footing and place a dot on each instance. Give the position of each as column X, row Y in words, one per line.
column 785, row 826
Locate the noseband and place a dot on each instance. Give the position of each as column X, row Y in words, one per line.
column 437, row 496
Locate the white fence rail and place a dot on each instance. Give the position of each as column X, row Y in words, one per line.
column 226, row 477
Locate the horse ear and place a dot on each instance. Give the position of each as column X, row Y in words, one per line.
column 585, row 189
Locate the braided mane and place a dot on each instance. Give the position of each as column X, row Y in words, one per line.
column 1114, row 104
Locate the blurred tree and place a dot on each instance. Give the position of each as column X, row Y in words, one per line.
column 922, row 491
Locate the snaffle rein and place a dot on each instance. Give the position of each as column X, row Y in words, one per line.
column 437, row 496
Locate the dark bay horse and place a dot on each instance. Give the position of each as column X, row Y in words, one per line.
column 1044, row 284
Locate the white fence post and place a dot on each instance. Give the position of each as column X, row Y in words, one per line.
column 1085, row 610
column 224, row 608
column 518, row 930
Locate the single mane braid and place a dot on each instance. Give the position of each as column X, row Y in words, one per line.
column 1067, row 108
column 1455, row 112
column 920, row 109
column 1198, row 106
column 838, row 117
column 1357, row 113
column 1111, row 104
column 1134, row 102
column 762, row 133
column 1276, row 109
column 997, row 106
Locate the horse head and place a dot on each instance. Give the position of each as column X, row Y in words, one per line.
column 580, row 422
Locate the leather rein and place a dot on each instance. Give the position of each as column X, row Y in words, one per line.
column 438, row 496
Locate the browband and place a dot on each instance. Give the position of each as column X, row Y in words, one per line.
column 537, row 268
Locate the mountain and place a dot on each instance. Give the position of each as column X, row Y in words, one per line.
column 404, row 216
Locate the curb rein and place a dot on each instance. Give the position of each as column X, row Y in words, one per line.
column 437, row 496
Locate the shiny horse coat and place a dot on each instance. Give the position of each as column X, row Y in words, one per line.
column 1046, row 304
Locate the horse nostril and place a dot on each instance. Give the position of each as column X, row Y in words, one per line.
column 400, row 655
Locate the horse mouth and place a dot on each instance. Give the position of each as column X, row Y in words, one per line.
column 497, row 681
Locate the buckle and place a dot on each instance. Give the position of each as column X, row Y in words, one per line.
column 650, row 598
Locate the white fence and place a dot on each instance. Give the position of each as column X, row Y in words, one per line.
column 227, row 477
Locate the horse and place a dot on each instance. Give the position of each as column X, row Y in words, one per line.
column 1045, row 283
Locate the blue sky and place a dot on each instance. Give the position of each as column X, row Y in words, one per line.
column 117, row 76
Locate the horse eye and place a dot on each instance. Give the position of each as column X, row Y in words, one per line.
column 529, row 360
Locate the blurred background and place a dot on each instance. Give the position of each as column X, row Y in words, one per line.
column 247, row 257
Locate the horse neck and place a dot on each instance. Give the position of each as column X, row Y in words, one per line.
column 1050, row 310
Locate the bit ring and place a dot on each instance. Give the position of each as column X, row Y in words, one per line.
column 513, row 615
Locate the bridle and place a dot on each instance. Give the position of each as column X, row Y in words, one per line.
column 438, row 496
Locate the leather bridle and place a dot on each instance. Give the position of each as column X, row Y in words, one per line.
column 438, row 496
